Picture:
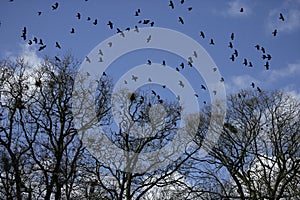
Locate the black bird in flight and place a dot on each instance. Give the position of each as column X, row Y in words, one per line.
column 236, row 53
column 30, row 42
column 151, row 24
column 232, row 36
column 88, row 19
column 182, row 65
column 281, row 16
column 202, row 34
column 232, row 57
column 250, row 64
column 72, row 30
column 242, row 10
column 153, row 92
column 39, row 13
column 24, row 31
column 41, row 42
column 42, row 47
column 55, row 6
column 263, row 50
column 149, row 39
column 110, row 24
column 78, row 15
column 171, row 4
column 149, row 62
column 258, row 89
column 57, row 45
column 182, row 1
column 274, row 32
column 203, row 87
column 190, row 8
column 181, row 20
column 267, row 65
column 164, row 63
column 57, row 59
column 245, row 62
column 212, row 42
column 257, row 47
column 95, row 22
column 35, row 40
column 252, row 84
column 269, row 56
column 146, row 21
column 230, row 45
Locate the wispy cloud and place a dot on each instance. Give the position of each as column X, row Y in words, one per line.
column 233, row 9
column 239, row 82
column 292, row 69
column 291, row 11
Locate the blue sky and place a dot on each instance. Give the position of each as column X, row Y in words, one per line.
column 217, row 19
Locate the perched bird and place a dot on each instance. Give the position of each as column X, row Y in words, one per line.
column 110, row 24
column 177, row 69
column 134, row 78
column 42, row 47
column 55, row 6
column 127, row 29
column 274, row 32
column 103, row 74
column 181, row 84
column 222, row 79
column 57, row 45
column 245, row 62
column 72, row 30
column 202, row 34
column 196, row 95
column 171, row 4
column 267, row 65
column 100, row 59
column 149, row 80
column 212, row 42
column 149, row 38
column 230, row 45
column 95, row 22
column 232, row 36
column 242, row 10
column 181, row 20
column 281, row 16
column 78, row 15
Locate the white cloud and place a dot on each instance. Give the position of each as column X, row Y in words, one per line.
column 292, row 69
column 236, row 83
column 291, row 13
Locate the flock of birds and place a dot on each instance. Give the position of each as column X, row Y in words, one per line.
column 235, row 53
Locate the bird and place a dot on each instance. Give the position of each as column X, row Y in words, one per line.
column 202, row 34
column 242, row 10
column 257, row 46
column 132, row 97
column 153, row 92
column 41, row 42
column 87, row 59
column 78, row 15
column 100, row 52
column 177, row 69
column 269, row 56
column 245, row 62
column 258, row 89
column 146, row 21
column 104, row 74
column 181, row 84
column 151, row 24
column 109, row 44
column 236, row 53
column 264, row 56
column 196, row 95
column 42, row 47
column 232, row 57
column 149, row 62
column 164, row 63
column 190, row 8
column 39, row 13
column 171, row 4
column 195, row 54
column 252, row 84
column 110, row 24
column 203, row 87
column 57, row 45
column 24, row 31
column 281, row 16
column 57, row 58
column 212, row 42
column 95, row 22
column 274, row 32
column 134, row 78
column 127, row 29
column 182, row 1
column 215, row 92
column 190, row 59
column 230, row 45
column 263, row 50
column 214, row 69
column 100, row 59
column 30, row 42
column 267, row 65
column 149, row 38
column 72, row 30
column 149, row 80
column 182, row 65
column 35, row 40
column 250, row 64
column 232, row 36
column 190, row 64
column 88, row 19
column 180, row 20
column 55, row 6
column 222, row 79
column 136, row 29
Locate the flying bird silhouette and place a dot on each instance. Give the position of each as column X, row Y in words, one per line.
column 232, row 57
column 171, row 4
column 39, row 13
column 95, row 22
column 134, row 78
column 181, row 84
column 42, row 47
column 236, row 53
column 245, row 62
column 257, row 47
column 203, row 87
column 110, row 24
column 78, row 15
column 230, row 45
column 274, row 32
column 263, row 50
column 267, row 65
column 242, row 10
column 190, row 8
column 72, row 30
column 87, row 59
column 212, row 42
column 57, row 45
column 149, row 38
column 232, row 36
column 181, row 20
column 55, row 6
column 202, row 34
column 281, row 16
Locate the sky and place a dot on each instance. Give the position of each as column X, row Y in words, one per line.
column 217, row 19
